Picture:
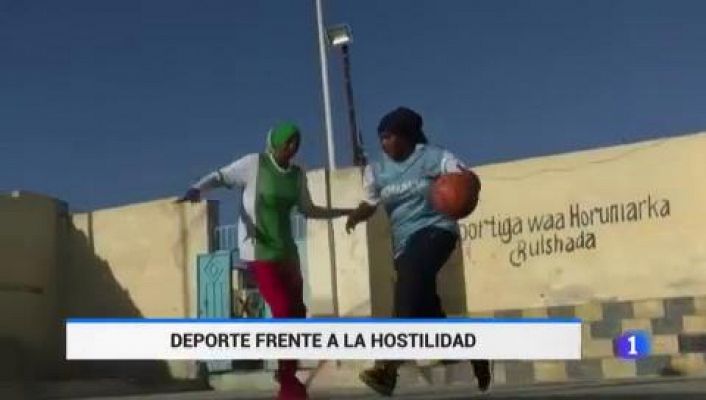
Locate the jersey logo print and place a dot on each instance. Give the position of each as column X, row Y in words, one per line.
column 403, row 189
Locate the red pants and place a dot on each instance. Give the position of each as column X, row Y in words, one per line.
column 281, row 285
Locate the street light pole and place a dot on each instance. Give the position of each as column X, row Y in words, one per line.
column 356, row 137
column 331, row 153
column 325, row 86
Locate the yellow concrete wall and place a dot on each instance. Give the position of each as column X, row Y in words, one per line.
column 317, row 278
column 30, row 235
column 657, row 255
column 150, row 248
column 382, row 271
column 137, row 261
column 351, row 262
column 131, row 261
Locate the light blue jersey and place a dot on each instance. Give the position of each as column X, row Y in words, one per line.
column 403, row 188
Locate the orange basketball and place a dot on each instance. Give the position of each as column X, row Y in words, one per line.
column 456, row 195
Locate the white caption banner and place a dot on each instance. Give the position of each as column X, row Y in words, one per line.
column 330, row 339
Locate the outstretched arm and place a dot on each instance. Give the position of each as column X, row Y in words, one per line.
column 233, row 174
column 204, row 184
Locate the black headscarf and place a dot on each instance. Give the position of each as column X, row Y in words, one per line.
column 404, row 122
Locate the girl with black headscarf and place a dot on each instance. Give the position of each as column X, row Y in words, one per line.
column 423, row 238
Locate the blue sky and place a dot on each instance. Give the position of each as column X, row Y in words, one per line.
column 105, row 103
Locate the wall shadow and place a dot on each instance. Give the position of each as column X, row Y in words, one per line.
column 88, row 289
column 381, row 268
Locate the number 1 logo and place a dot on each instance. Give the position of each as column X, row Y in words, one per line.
column 632, row 345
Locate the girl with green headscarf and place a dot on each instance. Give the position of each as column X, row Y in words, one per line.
column 271, row 186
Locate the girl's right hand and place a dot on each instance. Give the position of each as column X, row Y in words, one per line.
column 352, row 221
column 360, row 214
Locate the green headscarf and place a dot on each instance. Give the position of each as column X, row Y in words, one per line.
column 280, row 134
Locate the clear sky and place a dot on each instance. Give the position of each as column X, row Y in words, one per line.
column 109, row 102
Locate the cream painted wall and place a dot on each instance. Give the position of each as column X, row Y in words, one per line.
column 382, row 272
column 131, row 261
column 651, row 257
column 319, row 270
column 352, row 261
column 655, row 256
column 150, row 249
column 137, row 261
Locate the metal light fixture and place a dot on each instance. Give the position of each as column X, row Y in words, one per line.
column 339, row 35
